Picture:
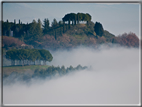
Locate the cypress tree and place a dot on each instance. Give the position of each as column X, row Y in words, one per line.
column 19, row 21
column 45, row 26
column 14, row 21
column 98, row 28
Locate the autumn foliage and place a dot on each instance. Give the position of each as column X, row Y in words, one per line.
column 11, row 42
column 129, row 40
column 66, row 41
column 69, row 41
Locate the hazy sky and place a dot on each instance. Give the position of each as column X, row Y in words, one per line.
column 117, row 18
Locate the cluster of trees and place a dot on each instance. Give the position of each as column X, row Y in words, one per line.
column 68, row 41
column 50, row 72
column 76, row 18
column 28, row 56
column 126, row 39
column 35, row 30
column 21, row 30
column 80, row 34
column 63, row 35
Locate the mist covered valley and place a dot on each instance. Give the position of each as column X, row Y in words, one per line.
column 107, row 75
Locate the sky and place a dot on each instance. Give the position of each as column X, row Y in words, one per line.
column 117, row 18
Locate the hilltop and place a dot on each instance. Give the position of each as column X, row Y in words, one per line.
column 73, row 30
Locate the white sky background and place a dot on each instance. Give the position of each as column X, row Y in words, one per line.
column 117, row 18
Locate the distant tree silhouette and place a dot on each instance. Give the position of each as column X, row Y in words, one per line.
column 76, row 18
column 98, row 28
column 45, row 26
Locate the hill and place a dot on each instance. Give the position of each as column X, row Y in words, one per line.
column 85, row 35
column 79, row 34
column 71, row 31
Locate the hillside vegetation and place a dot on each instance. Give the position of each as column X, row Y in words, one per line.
column 28, row 56
column 71, row 31
column 27, row 73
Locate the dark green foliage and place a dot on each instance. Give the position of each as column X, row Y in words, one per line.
column 28, row 54
column 54, row 23
column 45, row 26
column 6, row 28
column 48, row 73
column 39, row 29
column 108, row 34
column 54, row 71
column 19, row 21
column 73, row 30
column 98, row 28
column 35, row 30
column 76, row 18
column 32, row 31
column 14, row 21
column 45, row 55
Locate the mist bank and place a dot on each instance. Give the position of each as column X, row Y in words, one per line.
column 26, row 75
column 114, row 78
column 105, row 56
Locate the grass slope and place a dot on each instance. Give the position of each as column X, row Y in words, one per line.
column 22, row 69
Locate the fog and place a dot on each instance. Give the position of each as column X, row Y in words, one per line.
column 113, row 78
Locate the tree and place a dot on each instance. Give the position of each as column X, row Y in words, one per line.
column 33, row 31
column 88, row 17
column 72, row 18
column 54, row 23
column 63, row 27
column 66, row 18
column 22, row 54
column 6, row 28
column 60, row 23
column 14, row 21
column 79, row 17
column 11, row 54
column 28, row 54
column 76, row 17
column 7, row 21
column 45, row 26
column 63, row 70
column 19, row 21
column 39, row 29
column 98, row 28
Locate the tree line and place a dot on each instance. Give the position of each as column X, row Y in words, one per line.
column 49, row 73
column 35, row 30
column 52, row 71
column 28, row 56
column 24, row 31
column 76, row 18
